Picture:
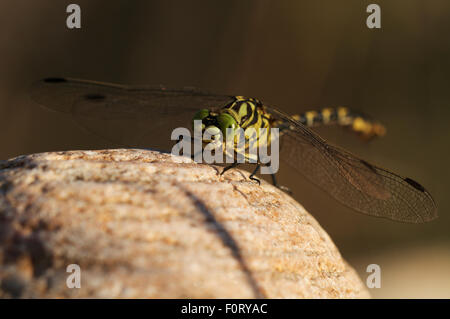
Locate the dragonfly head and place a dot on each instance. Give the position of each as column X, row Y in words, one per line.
column 215, row 123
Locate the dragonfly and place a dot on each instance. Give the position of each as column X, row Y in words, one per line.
column 140, row 116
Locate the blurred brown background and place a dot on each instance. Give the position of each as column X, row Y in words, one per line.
column 295, row 55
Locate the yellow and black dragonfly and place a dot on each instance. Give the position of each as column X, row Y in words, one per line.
column 145, row 116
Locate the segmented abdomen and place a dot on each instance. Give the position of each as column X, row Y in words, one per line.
column 342, row 116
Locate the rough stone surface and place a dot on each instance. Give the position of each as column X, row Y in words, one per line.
column 141, row 224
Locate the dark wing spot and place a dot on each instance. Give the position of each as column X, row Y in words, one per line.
column 415, row 184
column 94, row 96
column 55, row 80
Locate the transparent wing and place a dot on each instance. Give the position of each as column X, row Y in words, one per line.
column 352, row 181
column 132, row 116
column 146, row 116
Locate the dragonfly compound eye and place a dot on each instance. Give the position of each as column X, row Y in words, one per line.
column 200, row 115
column 226, row 121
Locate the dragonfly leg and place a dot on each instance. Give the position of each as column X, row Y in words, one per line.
column 252, row 175
column 275, row 183
column 229, row 167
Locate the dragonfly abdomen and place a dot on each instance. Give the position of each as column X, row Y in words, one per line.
column 342, row 116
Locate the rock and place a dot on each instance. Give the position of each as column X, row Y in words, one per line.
column 143, row 224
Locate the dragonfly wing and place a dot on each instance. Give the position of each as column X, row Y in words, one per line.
column 352, row 181
column 127, row 115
